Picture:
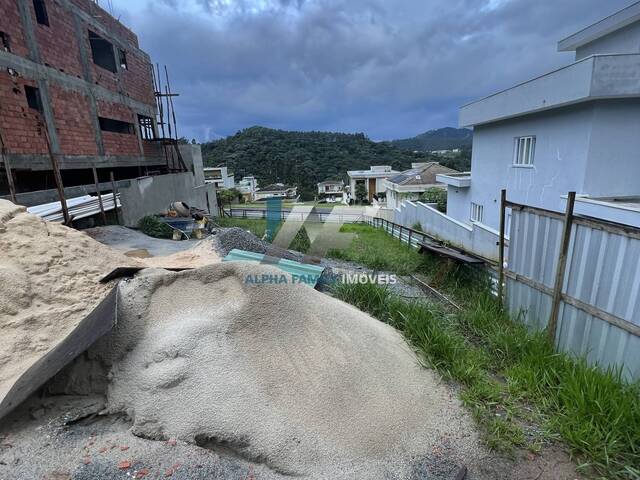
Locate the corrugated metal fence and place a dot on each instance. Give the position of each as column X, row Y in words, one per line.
column 599, row 302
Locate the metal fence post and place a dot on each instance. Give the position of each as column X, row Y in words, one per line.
column 503, row 206
column 410, row 232
column 561, row 268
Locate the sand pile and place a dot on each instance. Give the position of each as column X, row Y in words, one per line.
column 48, row 283
column 200, row 255
column 278, row 374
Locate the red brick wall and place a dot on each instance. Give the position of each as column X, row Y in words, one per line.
column 73, row 122
column 57, row 42
column 110, row 23
column 119, row 143
column 59, row 49
column 19, row 125
column 10, row 23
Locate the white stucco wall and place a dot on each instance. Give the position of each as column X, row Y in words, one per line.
column 592, row 149
column 458, row 203
column 625, row 40
column 562, row 146
column 614, row 156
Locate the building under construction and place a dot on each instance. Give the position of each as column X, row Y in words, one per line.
column 79, row 101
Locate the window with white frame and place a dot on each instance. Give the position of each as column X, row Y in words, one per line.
column 524, row 150
column 477, row 212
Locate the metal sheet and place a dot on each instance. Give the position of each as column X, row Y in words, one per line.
column 309, row 274
column 603, row 271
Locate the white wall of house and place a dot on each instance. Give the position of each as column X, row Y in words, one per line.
column 458, row 203
column 624, row 40
column 613, row 167
column 562, row 147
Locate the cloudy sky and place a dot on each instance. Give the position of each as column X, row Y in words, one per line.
column 388, row 68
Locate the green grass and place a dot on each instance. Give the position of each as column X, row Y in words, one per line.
column 376, row 250
column 255, row 225
column 511, row 377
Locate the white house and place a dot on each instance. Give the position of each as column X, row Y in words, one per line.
column 412, row 183
column 219, row 176
column 372, row 179
column 277, row 190
column 331, row 190
column 248, row 187
column 574, row 129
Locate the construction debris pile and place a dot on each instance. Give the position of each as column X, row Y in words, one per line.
column 228, row 239
column 277, row 375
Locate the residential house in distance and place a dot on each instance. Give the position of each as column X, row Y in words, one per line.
column 410, row 184
column 220, row 177
column 331, row 191
column 248, row 187
column 277, row 190
column 574, row 129
column 372, row 179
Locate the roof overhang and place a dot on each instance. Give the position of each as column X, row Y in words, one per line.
column 614, row 22
column 458, row 180
column 417, row 188
column 598, row 77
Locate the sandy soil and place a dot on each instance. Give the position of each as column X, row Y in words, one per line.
column 49, row 281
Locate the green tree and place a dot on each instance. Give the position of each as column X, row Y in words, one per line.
column 435, row 195
column 361, row 192
column 228, row 195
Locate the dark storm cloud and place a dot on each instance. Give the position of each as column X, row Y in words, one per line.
column 387, row 68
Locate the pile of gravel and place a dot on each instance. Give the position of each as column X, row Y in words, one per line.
column 228, row 239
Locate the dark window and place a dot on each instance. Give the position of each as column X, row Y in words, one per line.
column 102, row 52
column 41, row 12
column 33, row 97
column 116, row 126
column 123, row 59
column 4, row 42
column 146, row 127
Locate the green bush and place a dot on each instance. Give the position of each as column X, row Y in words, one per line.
column 154, row 227
column 435, row 195
column 301, row 242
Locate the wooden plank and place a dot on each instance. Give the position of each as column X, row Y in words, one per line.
column 503, row 207
column 561, row 268
column 114, row 190
column 97, row 183
column 529, row 209
column 451, row 253
column 58, row 179
column 100, row 321
column 433, row 291
column 12, row 185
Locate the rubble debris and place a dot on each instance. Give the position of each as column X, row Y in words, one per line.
column 235, row 238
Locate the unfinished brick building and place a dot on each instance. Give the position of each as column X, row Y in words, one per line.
column 74, row 88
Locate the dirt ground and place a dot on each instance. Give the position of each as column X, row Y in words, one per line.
column 62, row 438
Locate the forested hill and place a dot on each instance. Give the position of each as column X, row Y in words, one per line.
column 303, row 158
column 441, row 139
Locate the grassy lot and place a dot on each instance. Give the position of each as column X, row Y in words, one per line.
column 519, row 390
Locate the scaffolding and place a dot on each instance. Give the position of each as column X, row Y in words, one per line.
column 166, row 121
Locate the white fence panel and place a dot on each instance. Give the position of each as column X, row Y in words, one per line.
column 603, row 271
